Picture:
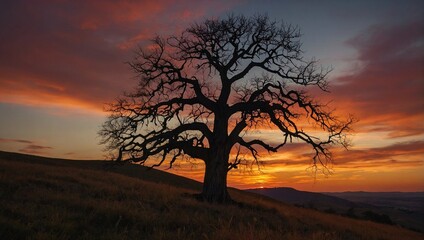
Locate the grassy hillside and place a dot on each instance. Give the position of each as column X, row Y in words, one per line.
column 44, row 198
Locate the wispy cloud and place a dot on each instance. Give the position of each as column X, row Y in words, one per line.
column 407, row 154
column 29, row 146
column 14, row 140
column 34, row 149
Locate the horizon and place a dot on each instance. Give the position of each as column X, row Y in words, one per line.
column 62, row 62
column 200, row 181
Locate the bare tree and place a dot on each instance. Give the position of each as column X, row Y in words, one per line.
column 200, row 92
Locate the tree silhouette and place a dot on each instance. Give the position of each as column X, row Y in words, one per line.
column 202, row 91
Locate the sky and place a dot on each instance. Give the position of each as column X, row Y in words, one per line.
column 62, row 61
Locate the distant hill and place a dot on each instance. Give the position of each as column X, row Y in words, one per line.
column 408, row 201
column 305, row 199
column 403, row 209
column 45, row 198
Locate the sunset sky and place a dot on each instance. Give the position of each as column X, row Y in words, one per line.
column 61, row 61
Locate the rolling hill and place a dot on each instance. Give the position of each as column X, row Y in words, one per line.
column 304, row 199
column 44, row 198
column 403, row 209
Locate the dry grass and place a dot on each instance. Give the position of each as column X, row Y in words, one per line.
column 65, row 201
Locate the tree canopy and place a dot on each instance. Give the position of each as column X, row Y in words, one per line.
column 200, row 92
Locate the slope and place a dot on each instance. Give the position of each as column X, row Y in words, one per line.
column 43, row 198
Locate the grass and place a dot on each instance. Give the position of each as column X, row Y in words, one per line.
column 44, row 198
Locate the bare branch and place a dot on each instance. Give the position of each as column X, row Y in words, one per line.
column 193, row 99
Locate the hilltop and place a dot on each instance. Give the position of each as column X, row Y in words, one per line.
column 68, row 199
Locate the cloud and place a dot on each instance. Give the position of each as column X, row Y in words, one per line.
column 34, row 149
column 297, row 159
column 29, row 146
column 404, row 153
column 72, row 53
column 5, row 140
column 387, row 90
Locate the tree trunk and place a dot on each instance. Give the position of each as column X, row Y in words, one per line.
column 215, row 181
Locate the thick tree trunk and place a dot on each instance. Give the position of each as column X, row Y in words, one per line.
column 215, row 181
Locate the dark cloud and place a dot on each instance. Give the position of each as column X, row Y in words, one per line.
column 30, row 146
column 73, row 52
column 409, row 153
column 388, row 89
column 34, row 149
column 15, row 140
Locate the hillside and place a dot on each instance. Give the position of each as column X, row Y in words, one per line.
column 44, row 198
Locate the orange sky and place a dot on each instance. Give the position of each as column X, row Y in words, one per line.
column 61, row 61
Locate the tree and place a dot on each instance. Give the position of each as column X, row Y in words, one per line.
column 201, row 91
